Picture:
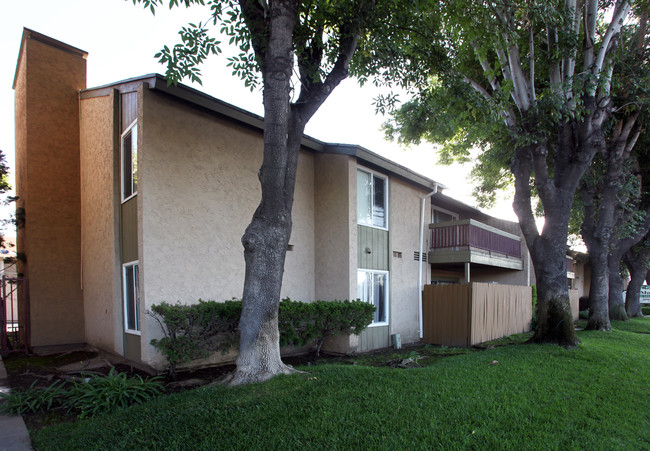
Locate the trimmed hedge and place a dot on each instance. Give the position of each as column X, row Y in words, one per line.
column 198, row 330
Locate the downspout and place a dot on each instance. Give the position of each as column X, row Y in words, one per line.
column 420, row 287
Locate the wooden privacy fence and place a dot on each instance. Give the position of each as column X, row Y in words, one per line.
column 468, row 314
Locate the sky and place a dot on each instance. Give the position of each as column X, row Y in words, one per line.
column 121, row 39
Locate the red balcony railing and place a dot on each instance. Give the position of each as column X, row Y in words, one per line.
column 473, row 234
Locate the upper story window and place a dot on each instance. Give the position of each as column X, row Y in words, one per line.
column 372, row 200
column 440, row 215
column 129, row 162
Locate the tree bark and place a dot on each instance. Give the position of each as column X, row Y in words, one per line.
column 598, row 289
column 548, row 252
column 616, row 301
column 637, row 264
column 554, row 318
column 267, row 237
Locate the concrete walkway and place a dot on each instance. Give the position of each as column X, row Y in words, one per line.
column 13, row 432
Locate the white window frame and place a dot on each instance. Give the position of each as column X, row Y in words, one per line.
column 133, row 130
column 386, row 294
column 374, row 175
column 442, row 210
column 136, row 291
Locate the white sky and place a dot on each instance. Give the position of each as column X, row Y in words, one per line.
column 121, row 39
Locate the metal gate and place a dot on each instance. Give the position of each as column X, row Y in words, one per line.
column 14, row 316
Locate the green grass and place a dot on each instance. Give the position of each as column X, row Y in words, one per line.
column 537, row 397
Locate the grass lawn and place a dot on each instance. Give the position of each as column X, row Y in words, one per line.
column 536, row 397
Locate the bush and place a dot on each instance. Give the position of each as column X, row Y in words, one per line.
column 196, row 331
column 99, row 394
column 32, row 400
column 302, row 322
column 193, row 331
column 102, row 394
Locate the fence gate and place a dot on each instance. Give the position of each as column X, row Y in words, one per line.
column 14, row 316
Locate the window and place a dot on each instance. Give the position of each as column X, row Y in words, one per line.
column 372, row 287
column 439, row 215
column 131, row 298
column 372, row 200
column 130, row 162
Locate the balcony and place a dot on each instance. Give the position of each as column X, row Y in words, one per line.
column 470, row 241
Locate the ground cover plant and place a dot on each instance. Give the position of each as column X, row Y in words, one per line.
column 520, row 396
column 85, row 395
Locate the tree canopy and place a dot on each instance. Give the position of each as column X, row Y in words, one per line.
column 530, row 85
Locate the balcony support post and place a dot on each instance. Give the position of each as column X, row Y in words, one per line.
column 467, row 274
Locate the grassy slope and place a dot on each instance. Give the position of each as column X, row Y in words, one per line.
column 536, row 397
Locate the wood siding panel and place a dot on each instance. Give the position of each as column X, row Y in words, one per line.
column 374, row 338
column 132, row 347
column 129, row 109
column 129, row 230
column 376, row 241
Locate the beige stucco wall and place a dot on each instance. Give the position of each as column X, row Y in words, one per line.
column 405, row 204
column 99, row 222
column 47, row 167
column 197, row 191
column 335, row 226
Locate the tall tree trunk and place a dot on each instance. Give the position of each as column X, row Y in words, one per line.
column 599, row 289
column 267, row 237
column 616, row 301
column 554, row 318
column 636, row 263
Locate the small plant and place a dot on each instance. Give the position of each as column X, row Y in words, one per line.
column 32, row 400
column 105, row 393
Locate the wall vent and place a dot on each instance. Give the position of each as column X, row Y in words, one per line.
column 416, row 256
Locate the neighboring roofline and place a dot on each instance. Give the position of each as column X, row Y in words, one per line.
column 452, row 204
column 31, row 34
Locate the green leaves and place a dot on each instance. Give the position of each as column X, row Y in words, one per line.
column 32, row 400
column 195, row 331
column 184, row 59
column 102, row 394
column 97, row 394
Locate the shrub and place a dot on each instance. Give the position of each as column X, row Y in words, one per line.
column 193, row 331
column 33, row 399
column 196, row 331
column 102, row 394
column 301, row 322
column 98, row 395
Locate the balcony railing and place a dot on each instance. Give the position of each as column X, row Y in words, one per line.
column 473, row 235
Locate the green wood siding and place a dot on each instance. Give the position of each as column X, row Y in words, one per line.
column 372, row 248
column 374, row 338
column 129, row 230
column 132, row 347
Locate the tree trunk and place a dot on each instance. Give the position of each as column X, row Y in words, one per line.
column 554, row 318
column 616, row 301
column 599, row 289
column 548, row 253
column 267, row 237
column 638, row 273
